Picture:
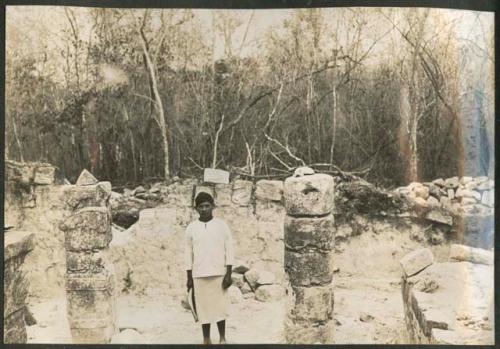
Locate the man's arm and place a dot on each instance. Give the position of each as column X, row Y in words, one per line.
column 229, row 257
column 189, row 259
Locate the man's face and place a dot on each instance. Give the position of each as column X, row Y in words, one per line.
column 205, row 209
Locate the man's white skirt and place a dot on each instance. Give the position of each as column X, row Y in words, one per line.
column 212, row 301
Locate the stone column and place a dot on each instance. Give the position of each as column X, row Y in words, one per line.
column 17, row 246
column 309, row 234
column 89, row 276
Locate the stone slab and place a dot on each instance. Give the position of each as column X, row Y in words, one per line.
column 86, row 178
column 88, row 229
column 242, row 192
column 416, row 261
column 77, row 197
column 212, row 175
column 269, row 190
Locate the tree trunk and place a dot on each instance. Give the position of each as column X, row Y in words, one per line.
column 160, row 119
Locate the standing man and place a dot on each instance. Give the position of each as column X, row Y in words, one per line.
column 209, row 261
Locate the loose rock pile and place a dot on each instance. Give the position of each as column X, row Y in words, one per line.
column 458, row 195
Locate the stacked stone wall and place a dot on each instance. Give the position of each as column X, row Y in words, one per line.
column 17, row 245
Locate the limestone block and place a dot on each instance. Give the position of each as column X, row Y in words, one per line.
column 488, row 198
column 269, row 211
column 238, row 280
column 452, row 183
column 18, row 172
column 421, row 192
column 212, row 175
column 44, row 174
column 268, row 190
column 305, row 332
column 223, row 194
column 439, row 182
column 269, row 293
column 471, row 254
column 432, row 201
column 309, row 232
column 309, row 195
column 472, row 194
column 415, row 261
column 77, row 197
column 85, row 262
column 88, row 229
column 17, row 243
column 439, row 216
column 314, row 304
column 14, row 329
column 86, row 178
column 451, row 194
column 309, row 268
column 265, row 278
column 459, row 193
column 434, row 190
column 235, row 295
column 242, row 192
column 465, row 179
column 245, row 289
column 15, row 293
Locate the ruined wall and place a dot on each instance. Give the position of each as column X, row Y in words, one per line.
column 18, row 244
column 449, row 302
column 34, row 201
column 254, row 212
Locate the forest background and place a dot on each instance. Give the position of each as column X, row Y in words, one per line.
column 393, row 95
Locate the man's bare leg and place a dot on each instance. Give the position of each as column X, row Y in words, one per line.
column 221, row 325
column 206, row 333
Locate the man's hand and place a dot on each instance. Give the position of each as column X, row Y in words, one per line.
column 226, row 282
column 189, row 283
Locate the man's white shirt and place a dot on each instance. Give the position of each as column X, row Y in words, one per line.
column 209, row 247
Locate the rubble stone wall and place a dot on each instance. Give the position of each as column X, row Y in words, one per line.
column 17, row 246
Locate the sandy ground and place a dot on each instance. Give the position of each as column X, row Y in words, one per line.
column 368, row 305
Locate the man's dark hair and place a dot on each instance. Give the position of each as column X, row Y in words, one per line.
column 203, row 197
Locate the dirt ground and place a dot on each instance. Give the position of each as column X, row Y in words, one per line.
column 368, row 304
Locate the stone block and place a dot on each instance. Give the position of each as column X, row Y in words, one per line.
column 15, row 293
column 268, row 190
column 269, row 211
column 421, row 192
column 432, row 201
column 86, row 178
column 238, row 280
column 44, row 174
column 309, row 232
column 305, row 332
column 439, row 182
column 18, row 172
column 77, row 197
column 14, row 330
column 88, row 229
column 439, row 216
column 451, row 183
column 242, row 192
column 311, row 195
column 85, row 262
column 313, row 304
column 265, row 278
column 309, row 268
column 451, row 194
column 223, row 194
column 488, row 198
column 92, row 334
column 212, row 175
column 17, row 243
column 416, row 261
column 471, row 194
column 465, row 253
column 269, row 293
